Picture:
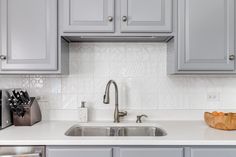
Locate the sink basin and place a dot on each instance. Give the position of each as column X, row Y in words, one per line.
column 88, row 131
column 144, row 131
column 77, row 130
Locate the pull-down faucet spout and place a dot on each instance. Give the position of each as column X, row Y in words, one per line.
column 106, row 100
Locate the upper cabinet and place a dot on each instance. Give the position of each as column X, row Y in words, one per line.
column 115, row 17
column 206, row 36
column 200, row 33
column 88, row 15
column 146, row 15
column 28, row 36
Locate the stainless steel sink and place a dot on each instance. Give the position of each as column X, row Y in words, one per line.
column 88, row 131
column 144, row 131
column 77, row 130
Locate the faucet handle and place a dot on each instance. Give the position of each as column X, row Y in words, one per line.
column 139, row 118
column 122, row 114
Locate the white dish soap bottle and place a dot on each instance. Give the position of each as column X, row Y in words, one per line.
column 83, row 113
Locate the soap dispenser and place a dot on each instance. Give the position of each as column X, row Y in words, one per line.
column 83, row 113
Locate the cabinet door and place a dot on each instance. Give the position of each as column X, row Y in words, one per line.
column 28, row 35
column 213, row 152
column 151, row 152
column 206, row 35
column 146, row 15
column 79, row 152
column 88, row 15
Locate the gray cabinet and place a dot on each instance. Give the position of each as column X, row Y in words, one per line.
column 151, row 152
column 115, row 17
column 72, row 151
column 212, row 152
column 146, row 15
column 140, row 151
column 206, row 35
column 100, row 151
column 87, row 15
column 28, row 35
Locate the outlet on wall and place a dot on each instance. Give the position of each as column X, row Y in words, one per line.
column 213, row 96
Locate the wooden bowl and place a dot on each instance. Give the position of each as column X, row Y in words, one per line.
column 227, row 121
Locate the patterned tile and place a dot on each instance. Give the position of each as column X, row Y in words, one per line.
column 140, row 72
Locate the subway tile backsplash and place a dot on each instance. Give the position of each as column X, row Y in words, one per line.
column 144, row 87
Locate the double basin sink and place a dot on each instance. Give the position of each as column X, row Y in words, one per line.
column 78, row 130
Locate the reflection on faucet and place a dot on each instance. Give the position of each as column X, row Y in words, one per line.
column 106, row 100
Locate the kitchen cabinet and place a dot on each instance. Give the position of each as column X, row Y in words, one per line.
column 74, row 151
column 146, row 15
column 100, row 151
column 88, row 16
column 151, row 152
column 212, row 152
column 140, row 151
column 28, row 36
column 115, row 18
column 206, row 37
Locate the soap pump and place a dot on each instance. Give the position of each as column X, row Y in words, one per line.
column 83, row 113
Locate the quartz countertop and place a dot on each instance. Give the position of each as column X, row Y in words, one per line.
column 178, row 133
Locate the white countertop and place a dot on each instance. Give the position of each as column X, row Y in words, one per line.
column 178, row 133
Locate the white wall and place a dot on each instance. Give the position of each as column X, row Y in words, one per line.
column 144, row 87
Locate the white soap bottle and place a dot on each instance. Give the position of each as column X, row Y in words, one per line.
column 83, row 113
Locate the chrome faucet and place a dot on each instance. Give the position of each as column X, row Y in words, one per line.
column 106, row 100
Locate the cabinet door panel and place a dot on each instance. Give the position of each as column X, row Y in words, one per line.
column 151, row 152
column 146, row 15
column 213, row 152
column 88, row 15
column 206, row 34
column 79, row 152
column 28, row 35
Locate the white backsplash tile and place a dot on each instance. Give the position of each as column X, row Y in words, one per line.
column 144, row 87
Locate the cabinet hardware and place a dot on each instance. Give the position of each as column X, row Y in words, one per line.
column 124, row 18
column 2, row 57
column 110, row 18
column 232, row 57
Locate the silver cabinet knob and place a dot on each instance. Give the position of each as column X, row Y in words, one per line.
column 3, row 57
column 110, row 18
column 124, row 18
column 232, row 57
